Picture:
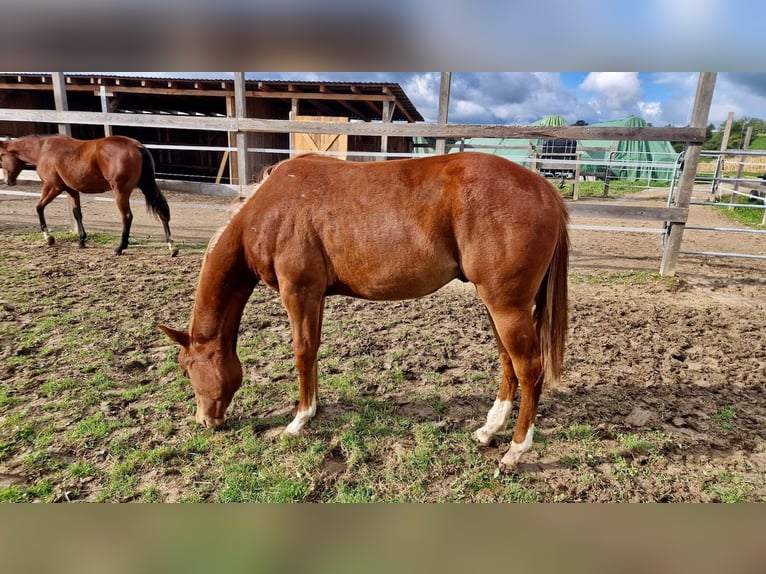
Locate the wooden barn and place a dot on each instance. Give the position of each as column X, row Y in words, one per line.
column 214, row 97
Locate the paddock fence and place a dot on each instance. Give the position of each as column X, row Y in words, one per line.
column 672, row 217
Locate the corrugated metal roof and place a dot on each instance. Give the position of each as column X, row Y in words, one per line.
column 405, row 110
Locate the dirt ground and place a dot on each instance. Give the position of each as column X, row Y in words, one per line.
column 685, row 359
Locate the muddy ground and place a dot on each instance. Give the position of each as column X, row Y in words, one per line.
column 663, row 396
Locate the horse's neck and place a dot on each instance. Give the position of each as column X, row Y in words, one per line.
column 225, row 284
column 28, row 148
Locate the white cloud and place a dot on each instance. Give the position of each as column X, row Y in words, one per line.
column 618, row 90
column 652, row 112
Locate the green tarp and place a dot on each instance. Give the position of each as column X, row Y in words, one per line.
column 641, row 160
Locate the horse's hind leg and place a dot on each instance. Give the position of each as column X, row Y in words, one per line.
column 169, row 237
column 74, row 201
column 497, row 417
column 516, row 330
column 49, row 193
column 123, row 204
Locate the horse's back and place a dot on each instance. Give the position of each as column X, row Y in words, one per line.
column 92, row 166
column 402, row 228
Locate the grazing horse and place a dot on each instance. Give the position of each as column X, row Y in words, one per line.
column 93, row 166
column 390, row 230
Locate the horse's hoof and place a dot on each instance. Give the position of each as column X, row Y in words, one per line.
column 118, row 251
column 174, row 253
column 51, row 240
column 482, row 438
column 82, row 245
column 510, row 461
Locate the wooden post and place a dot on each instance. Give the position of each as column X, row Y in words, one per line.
column 576, row 184
column 387, row 113
column 607, row 174
column 240, row 109
column 59, row 96
column 443, row 113
column 293, row 116
column 727, row 131
column 62, row 105
column 105, row 109
column 745, row 146
column 702, row 101
column 231, row 141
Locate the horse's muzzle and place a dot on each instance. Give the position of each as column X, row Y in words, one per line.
column 207, row 421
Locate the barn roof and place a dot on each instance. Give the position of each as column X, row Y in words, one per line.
column 356, row 100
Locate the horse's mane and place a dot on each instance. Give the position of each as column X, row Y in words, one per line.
column 239, row 203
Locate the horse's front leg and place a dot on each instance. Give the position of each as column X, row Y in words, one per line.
column 123, row 204
column 49, row 193
column 305, row 308
column 74, row 201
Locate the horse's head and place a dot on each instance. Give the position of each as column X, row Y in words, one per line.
column 215, row 375
column 10, row 163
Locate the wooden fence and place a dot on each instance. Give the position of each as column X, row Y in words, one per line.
column 675, row 215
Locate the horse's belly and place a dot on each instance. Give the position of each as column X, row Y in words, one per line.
column 397, row 277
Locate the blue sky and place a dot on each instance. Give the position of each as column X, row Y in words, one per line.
column 660, row 98
column 520, row 98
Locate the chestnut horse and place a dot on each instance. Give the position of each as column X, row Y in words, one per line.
column 388, row 231
column 92, row 166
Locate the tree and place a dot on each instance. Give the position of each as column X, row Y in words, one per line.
column 736, row 135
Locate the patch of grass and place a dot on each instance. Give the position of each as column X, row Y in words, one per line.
column 354, row 492
column 101, row 381
column 728, row 488
column 54, row 388
column 637, row 444
column 93, row 428
column 725, row 417
column 617, row 187
column 601, row 277
column 151, row 495
column 245, row 482
column 81, row 469
column 7, row 397
column 121, row 483
column 576, row 432
column 41, row 491
column 746, row 216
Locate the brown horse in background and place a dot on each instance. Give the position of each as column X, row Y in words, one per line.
column 93, row 166
column 387, row 231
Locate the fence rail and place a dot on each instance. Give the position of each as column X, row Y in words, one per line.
column 674, row 217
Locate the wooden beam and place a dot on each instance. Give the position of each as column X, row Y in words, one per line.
column 372, row 106
column 612, row 211
column 398, row 129
column 399, row 105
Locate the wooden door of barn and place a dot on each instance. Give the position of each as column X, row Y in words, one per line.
column 337, row 144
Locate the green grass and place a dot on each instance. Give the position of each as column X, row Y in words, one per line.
column 746, row 216
column 728, row 488
column 617, row 187
column 602, row 277
column 75, row 423
column 725, row 417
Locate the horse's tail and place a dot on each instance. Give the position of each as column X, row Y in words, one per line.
column 155, row 200
column 552, row 305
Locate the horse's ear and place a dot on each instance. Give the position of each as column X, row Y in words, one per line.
column 180, row 337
